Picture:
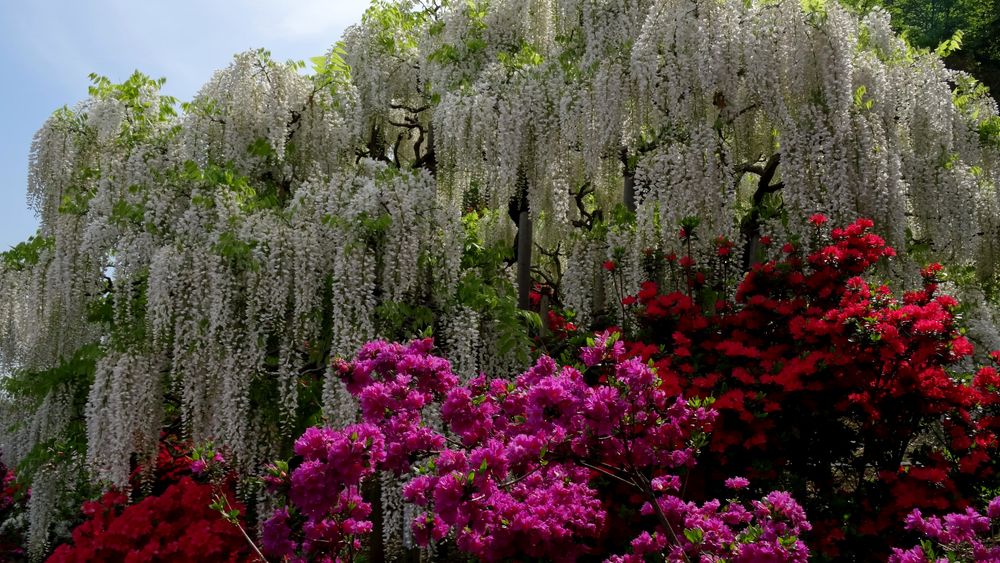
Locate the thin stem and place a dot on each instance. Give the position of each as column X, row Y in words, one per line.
column 608, row 473
column 236, row 523
column 648, row 489
column 508, row 483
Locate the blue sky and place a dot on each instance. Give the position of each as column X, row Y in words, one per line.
column 48, row 47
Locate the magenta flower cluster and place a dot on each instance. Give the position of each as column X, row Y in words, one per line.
column 529, row 470
column 958, row 536
column 768, row 531
column 393, row 384
column 326, row 491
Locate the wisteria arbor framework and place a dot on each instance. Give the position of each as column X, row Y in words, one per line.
column 210, row 256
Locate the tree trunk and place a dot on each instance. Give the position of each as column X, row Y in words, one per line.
column 629, row 196
column 524, row 259
column 373, row 491
column 543, row 312
column 598, row 300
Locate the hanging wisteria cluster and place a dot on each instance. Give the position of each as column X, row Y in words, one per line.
column 709, row 109
column 213, row 257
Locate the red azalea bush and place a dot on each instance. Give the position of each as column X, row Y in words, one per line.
column 178, row 525
column 173, row 463
column 179, row 521
column 829, row 386
column 12, row 502
column 536, row 466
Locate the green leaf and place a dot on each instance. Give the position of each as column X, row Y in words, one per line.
column 531, row 319
column 261, row 147
column 694, row 535
column 989, row 132
column 950, row 45
column 26, row 254
column 816, row 8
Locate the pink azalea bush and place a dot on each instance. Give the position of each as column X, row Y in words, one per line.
column 535, row 465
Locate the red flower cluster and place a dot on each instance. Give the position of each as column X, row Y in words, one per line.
column 172, row 464
column 176, row 522
column 824, row 382
column 178, row 525
column 13, row 500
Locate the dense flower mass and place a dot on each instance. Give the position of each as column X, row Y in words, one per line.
column 177, row 525
column 204, row 260
column 692, row 434
column 536, row 466
column 826, row 382
column 198, row 265
column 968, row 535
column 326, row 490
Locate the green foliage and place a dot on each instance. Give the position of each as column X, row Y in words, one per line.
column 573, row 49
column 77, row 370
column 69, row 120
column 950, row 45
column 814, row 8
column 402, row 321
column 265, row 401
column 126, row 329
column 373, row 228
column 860, row 101
column 73, row 375
column 202, row 107
column 76, row 197
column 144, row 105
column 262, row 194
column 24, row 255
column 694, row 535
column 964, row 32
column 332, row 71
column 333, row 63
column 484, row 288
column 526, row 56
column 123, row 213
column 72, row 442
column 472, row 46
column 261, row 147
column 397, row 26
column 237, row 251
column 989, row 132
column 969, row 95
